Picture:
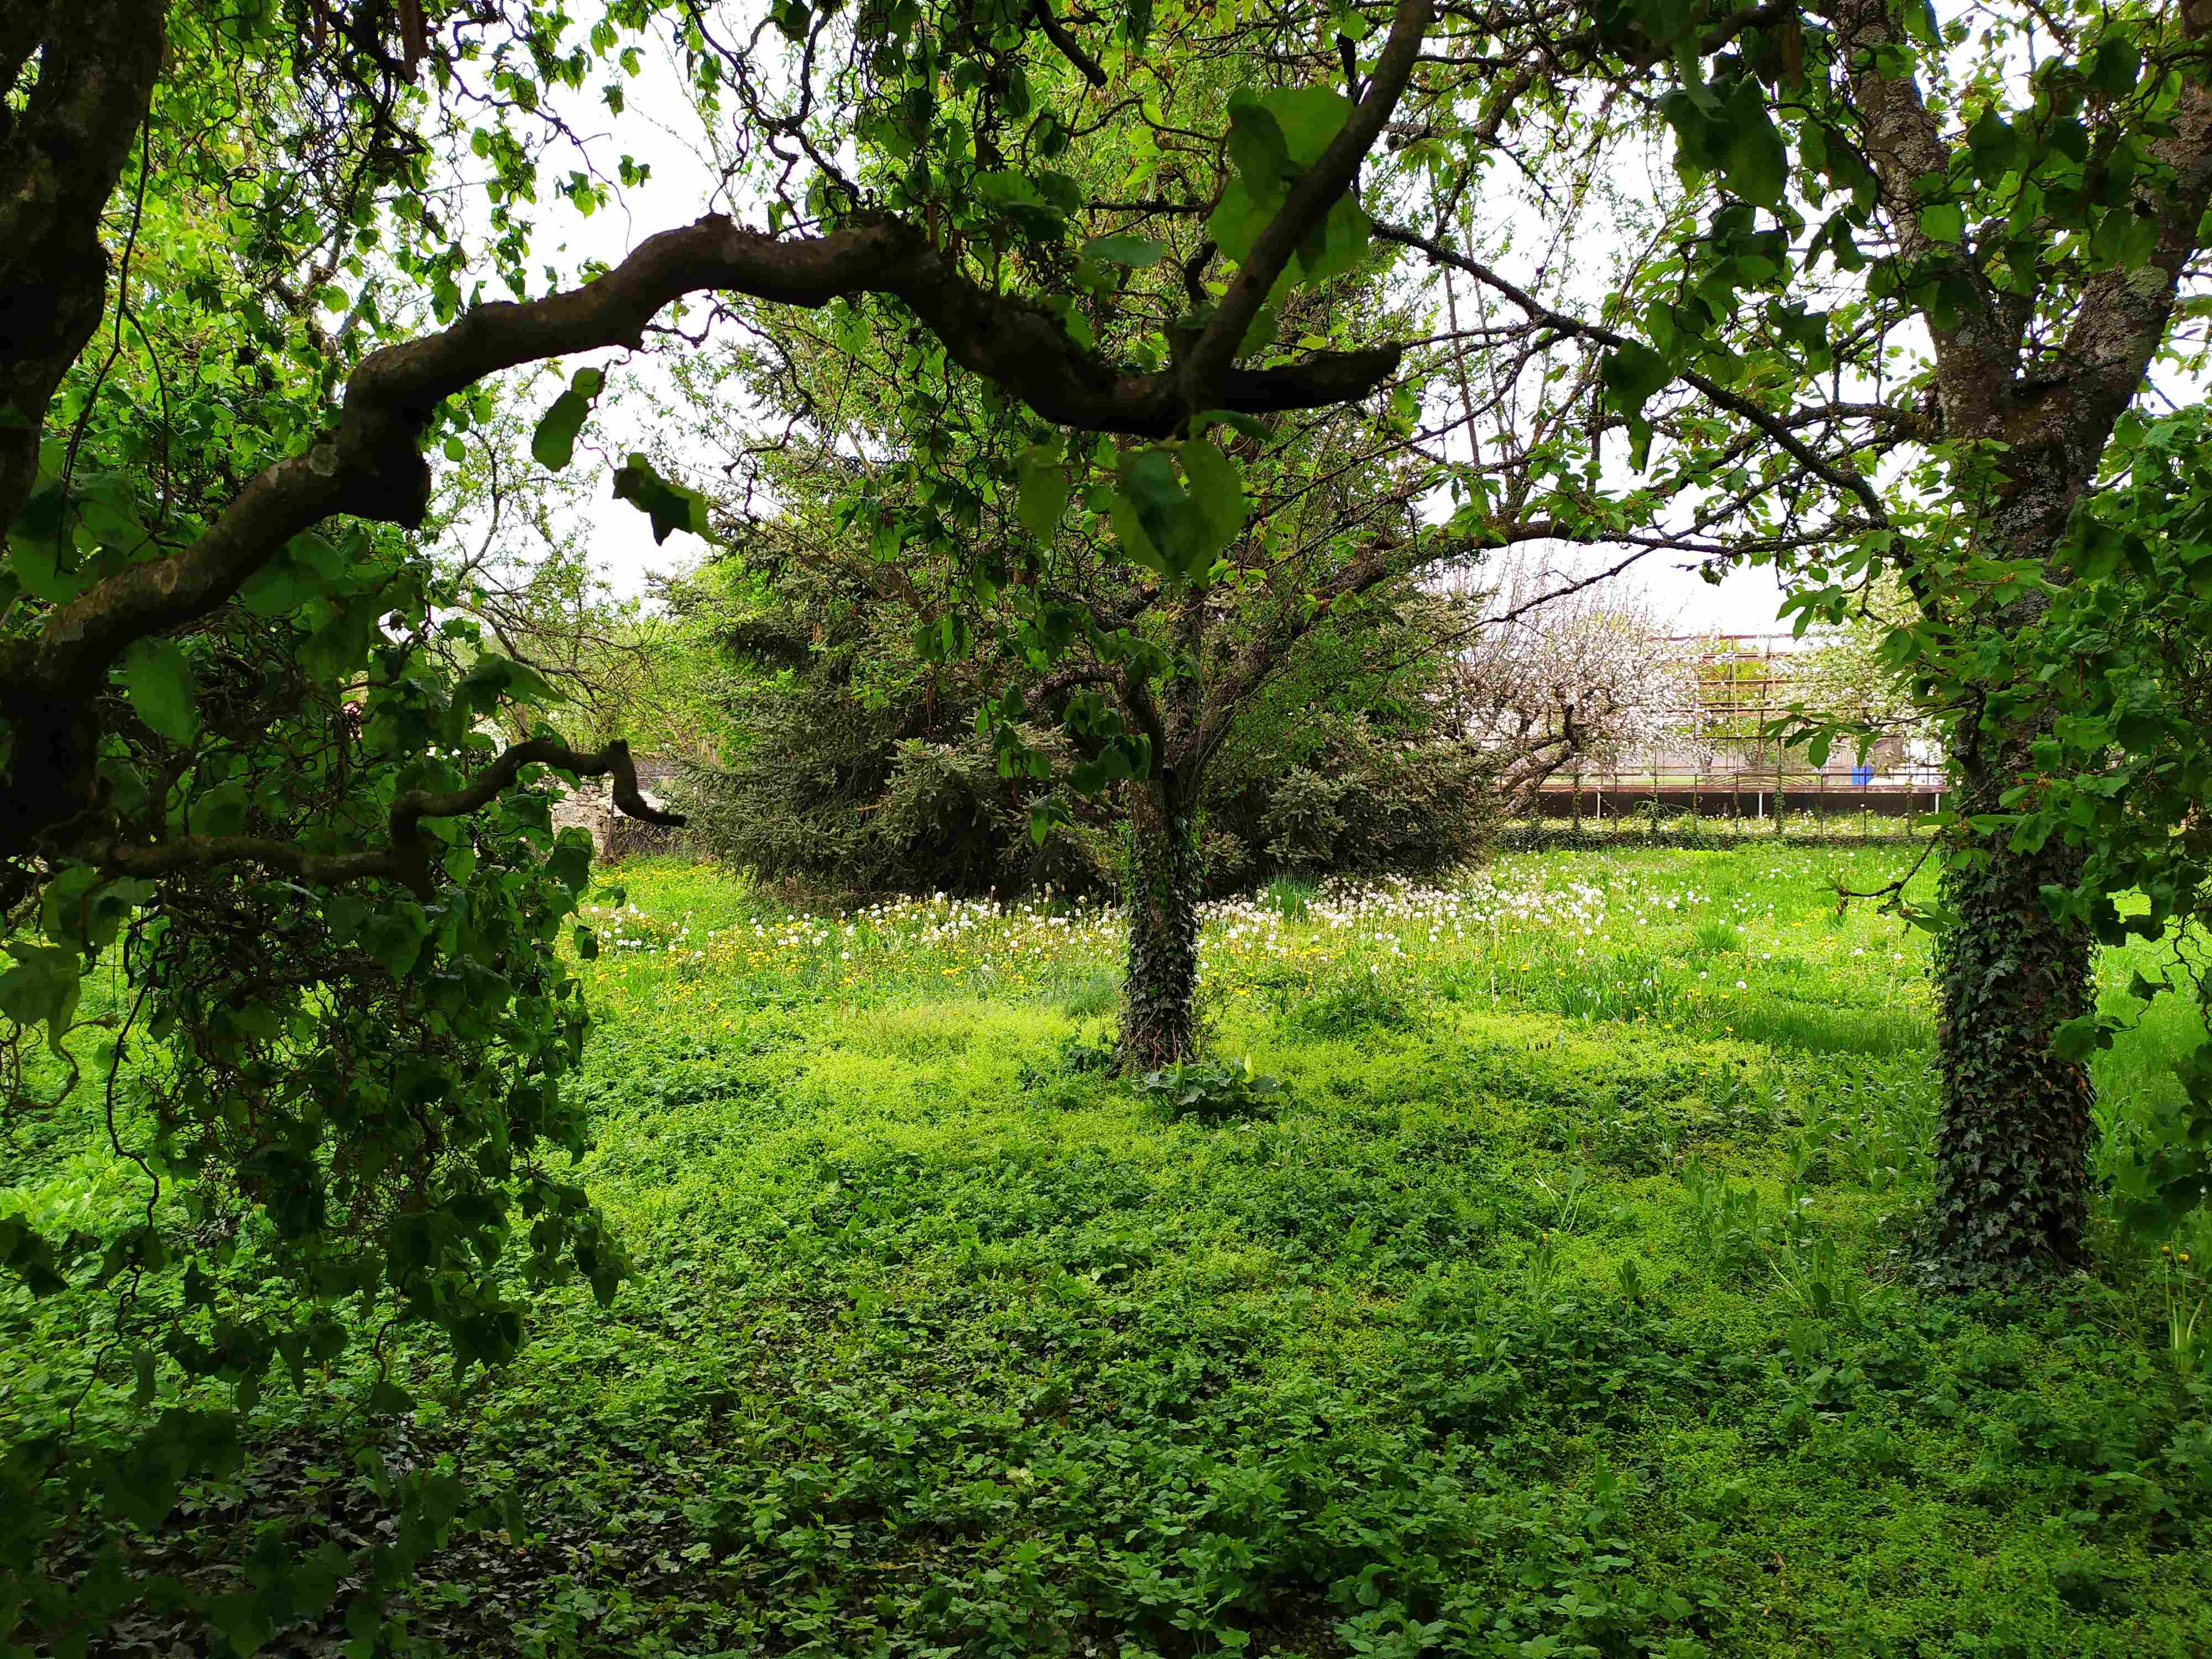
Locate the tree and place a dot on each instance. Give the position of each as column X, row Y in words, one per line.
column 1564, row 677
column 860, row 763
column 244, row 316
column 2024, row 195
column 1150, row 596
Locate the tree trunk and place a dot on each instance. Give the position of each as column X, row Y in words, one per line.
column 61, row 154
column 2012, row 1151
column 1161, row 888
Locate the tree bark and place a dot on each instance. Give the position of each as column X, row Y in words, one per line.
column 2012, row 1150
column 1158, row 1003
column 60, row 157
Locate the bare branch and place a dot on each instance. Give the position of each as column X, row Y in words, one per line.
column 1776, row 427
column 1070, row 48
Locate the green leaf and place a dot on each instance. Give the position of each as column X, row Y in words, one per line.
column 1756, row 162
column 220, row 811
column 1943, row 222
column 1239, row 217
column 1136, row 543
column 37, row 545
column 1043, row 496
column 1257, row 148
column 278, row 585
column 1133, row 250
column 82, row 907
column 670, row 507
column 2080, row 1037
column 159, row 680
column 1993, row 144
column 1308, row 118
column 1250, row 425
column 1217, row 489
column 44, row 985
column 1334, row 246
column 554, row 442
column 388, row 1399
column 1633, row 373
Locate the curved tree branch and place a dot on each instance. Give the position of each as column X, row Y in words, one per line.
column 1069, row 47
column 407, row 857
column 371, row 465
column 1206, row 366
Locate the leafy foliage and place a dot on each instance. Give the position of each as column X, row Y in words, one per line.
column 1212, row 1093
column 863, row 765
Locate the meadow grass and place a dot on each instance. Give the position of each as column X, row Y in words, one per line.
column 1558, row 1305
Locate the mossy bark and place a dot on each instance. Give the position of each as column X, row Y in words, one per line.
column 2012, row 1153
column 1159, row 999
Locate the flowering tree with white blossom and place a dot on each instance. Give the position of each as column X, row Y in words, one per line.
column 1570, row 678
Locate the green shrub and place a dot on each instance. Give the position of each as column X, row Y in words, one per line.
column 1360, row 1002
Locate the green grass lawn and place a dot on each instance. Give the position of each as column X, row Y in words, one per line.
column 1558, row 1309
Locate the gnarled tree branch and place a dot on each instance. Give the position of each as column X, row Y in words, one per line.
column 1068, row 46
column 407, row 857
column 60, row 155
column 371, row 466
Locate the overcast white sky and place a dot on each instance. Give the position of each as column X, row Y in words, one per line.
column 662, row 129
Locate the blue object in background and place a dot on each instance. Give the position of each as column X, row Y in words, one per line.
column 1861, row 775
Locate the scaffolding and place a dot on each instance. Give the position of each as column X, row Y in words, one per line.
column 1733, row 768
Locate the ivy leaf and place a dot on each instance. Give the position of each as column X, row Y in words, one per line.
column 159, row 680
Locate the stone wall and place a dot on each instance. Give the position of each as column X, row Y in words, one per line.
column 591, row 806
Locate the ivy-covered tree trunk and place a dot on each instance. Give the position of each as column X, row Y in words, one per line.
column 2013, row 1148
column 1161, row 888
